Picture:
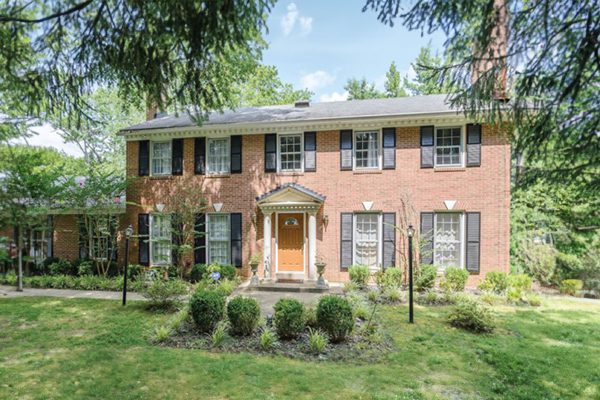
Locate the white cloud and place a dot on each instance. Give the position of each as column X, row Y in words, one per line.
column 306, row 25
column 316, row 79
column 289, row 19
column 335, row 96
column 46, row 136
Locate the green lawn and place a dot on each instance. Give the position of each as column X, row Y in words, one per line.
column 78, row 349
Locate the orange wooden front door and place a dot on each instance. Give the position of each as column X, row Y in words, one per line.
column 290, row 242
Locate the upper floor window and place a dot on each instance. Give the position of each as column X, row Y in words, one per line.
column 366, row 150
column 160, row 239
column 448, row 147
column 161, row 158
column 448, row 241
column 366, row 239
column 218, row 156
column 290, row 152
column 219, row 235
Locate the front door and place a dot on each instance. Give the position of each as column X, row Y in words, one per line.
column 290, row 242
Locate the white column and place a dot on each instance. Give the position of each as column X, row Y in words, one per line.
column 267, row 244
column 312, row 245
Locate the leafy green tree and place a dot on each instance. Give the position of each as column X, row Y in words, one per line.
column 360, row 89
column 393, row 82
column 265, row 88
column 426, row 80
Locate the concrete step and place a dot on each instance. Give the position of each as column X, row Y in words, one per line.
column 304, row 287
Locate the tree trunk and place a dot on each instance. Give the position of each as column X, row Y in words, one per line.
column 20, row 262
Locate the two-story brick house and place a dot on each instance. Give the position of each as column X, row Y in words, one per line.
column 328, row 180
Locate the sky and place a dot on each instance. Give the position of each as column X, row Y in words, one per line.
column 318, row 45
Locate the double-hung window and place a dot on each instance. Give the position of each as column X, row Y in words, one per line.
column 219, row 237
column 218, row 156
column 448, row 240
column 366, row 150
column 448, row 147
column 290, row 153
column 160, row 239
column 161, row 158
column 367, row 228
column 38, row 250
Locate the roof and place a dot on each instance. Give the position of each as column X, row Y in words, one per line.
column 317, row 196
column 402, row 106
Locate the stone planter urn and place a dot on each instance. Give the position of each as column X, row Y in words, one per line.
column 321, row 282
column 254, row 268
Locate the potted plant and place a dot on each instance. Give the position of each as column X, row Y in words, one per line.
column 254, row 261
column 321, row 264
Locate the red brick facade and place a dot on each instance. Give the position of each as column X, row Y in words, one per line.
column 484, row 189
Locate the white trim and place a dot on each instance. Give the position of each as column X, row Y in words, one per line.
column 279, row 136
column 379, row 237
column 207, row 234
column 303, row 241
column 208, row 172
column 379, row 150
column 463, row 241
column 150, row 251
column 462, row 146
column 152, row 143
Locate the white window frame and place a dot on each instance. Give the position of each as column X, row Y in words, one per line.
column 461, row 150
column 379, row 150
column 379, row 215
column 208, row 168
column 279, row 168
column 160, row 263
column 208, row 238
column 43, row 240
column 169, row 164
column 462, row 236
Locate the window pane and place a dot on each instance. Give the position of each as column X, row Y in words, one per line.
column 218, row 239
column 218, row 156
column 160, row 238
column 448, row 146
column 366, row 152
column 366, row 240
column 447, row 240
column 161, row 158
column 290, row 152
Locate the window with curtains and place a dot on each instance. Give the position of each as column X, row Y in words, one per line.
column 366, row 150
column 290, row 153
column 447, row 241
column 160, row 239
column 218, row 156
column 218, row 235
column 39, row 244
column 161, row 158
column 367, row 239
column 448, row 147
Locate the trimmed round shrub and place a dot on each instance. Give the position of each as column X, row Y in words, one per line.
column 495, row 281
column 61, row 267
column 359, row 274
column 198, row 272
column 334, row 316
column 455, row 279
column 228, row 272
column 425, row 277
column 289, row 318
column 243, row 314
column 207, row 308
column 571, row 286
column 472, row 316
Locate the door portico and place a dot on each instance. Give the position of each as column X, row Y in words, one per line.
column 293, row 209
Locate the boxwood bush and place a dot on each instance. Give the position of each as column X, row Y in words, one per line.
column 289, row 318
column 472, row 316
column 334, row 316
column 243, row 314
column 207, row 308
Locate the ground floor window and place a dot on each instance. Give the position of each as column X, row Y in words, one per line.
column 367, row 228
column 160, row 239
column 218, row 233
column 448, row 240
column 39, row 245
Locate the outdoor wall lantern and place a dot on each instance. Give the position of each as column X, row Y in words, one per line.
column 253, row 219
column 325, row 219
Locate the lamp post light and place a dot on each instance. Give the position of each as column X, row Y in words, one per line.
column 128, row 234
column 410, row 233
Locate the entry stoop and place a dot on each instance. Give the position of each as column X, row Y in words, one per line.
column 302, row 287
column 289, row 277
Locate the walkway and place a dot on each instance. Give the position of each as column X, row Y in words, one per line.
column 11, row 291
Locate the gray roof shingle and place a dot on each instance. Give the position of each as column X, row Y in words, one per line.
column 298, row 187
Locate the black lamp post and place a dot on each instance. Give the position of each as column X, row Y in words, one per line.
column 128, row 234
column 410, row 233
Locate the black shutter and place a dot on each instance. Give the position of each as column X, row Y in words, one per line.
column 389, row 240
column 389, row 148
column 144, row 158
column 310, row 151
column 473, row 145
column 427, row 147
column 200, row 239
column 84, row 253
column 236, row 154
column 473, row 241
column 346, row 149
column 346, row 222
column 176, row 236
column 271, row 152
column 50, row 236
column 144, row 239
column 235, row 220
column 200, row 155
column 427, row 238
column 113, row 247
column 177, row 157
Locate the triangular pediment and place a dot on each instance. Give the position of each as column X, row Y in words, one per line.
column 291, row 193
